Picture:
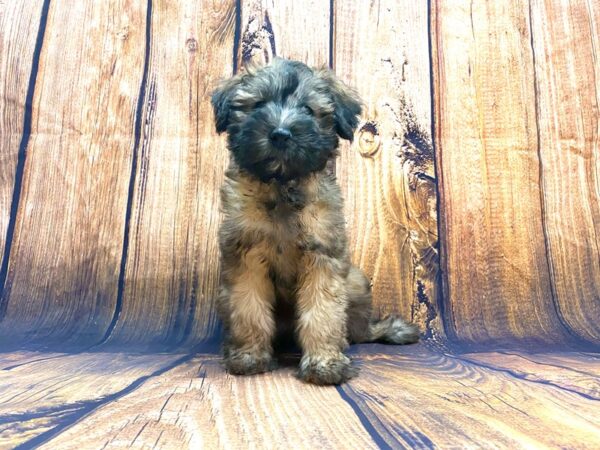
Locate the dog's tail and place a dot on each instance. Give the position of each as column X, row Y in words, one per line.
column 363, row 326
column 392, row 329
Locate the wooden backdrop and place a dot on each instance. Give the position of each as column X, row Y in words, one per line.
column 110, row 166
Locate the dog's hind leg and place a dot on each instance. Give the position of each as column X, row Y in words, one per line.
column 362, row 326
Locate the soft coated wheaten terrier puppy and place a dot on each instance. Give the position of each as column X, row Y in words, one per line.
column 285, row 263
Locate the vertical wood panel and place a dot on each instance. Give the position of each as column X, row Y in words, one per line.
column 498, row 284
column 172, row 265
column 19, row 25
column 68, row 237
column 566, row 44
column 387, row 174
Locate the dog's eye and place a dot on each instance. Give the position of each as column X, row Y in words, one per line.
column 260, row 104
column 308, row 110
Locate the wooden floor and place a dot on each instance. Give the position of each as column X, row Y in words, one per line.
column 405, row 397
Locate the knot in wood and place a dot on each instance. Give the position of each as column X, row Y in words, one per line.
column 368, row 139
column 192, row 45
column 123, row 33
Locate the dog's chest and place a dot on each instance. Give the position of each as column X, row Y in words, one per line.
column 282, row 214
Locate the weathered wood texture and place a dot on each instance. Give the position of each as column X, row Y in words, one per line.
column 387, row 174
column 405, row 398
column 115, row 231
column 100, row 241
column 171, row 260
column 19, row 24
column 421, row 399
column 566, row 41
column 296, row 30
column 66, row 249
column 42, row 394
column 516, row 113
column 197, row 405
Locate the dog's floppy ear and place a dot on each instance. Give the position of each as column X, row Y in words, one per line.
column 347, row 104
column 221, row 102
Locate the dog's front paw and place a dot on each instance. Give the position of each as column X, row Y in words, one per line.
column 318, row 369
column 246, row 363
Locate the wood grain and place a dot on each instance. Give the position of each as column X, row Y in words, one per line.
column 63, row 268
column 415, row 398
column 498, row 286
column 387, row 175
column 22, row 357
column 197, row 405
column 296, row 30
column 404, row 397
column 566, row 42
column 172, row 259
column 19, row 24
column 576, row 374
column 37, row 397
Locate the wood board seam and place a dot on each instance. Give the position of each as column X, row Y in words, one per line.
column 439, row 300
column 552, row 282
column 364, row 420
column 237, row 35
column 132, row 179
column 434, row 67
column 22, row 155
column 331, row 33
column 519, row 376
column 90, row 406
column 558, row 366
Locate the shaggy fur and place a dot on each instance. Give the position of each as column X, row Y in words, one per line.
column 285, row 263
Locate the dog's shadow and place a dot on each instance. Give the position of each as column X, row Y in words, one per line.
column 287, row 352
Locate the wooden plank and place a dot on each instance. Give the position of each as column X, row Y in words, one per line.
column 19, row 25
column 295, row 30
column 574, row 373
column 172, row 258
column 41, row 396
column 404, row 397
column 567, row 74
column 197, row 405
column 66, row 252
column 497, row 285
column 387, row 175
column 415, row 398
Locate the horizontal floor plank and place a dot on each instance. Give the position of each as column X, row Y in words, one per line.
column 40, row 393
column 198, row 405
column 414, row 397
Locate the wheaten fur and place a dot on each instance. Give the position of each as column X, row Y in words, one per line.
column 285, row 262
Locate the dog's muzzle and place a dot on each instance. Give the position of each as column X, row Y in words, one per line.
column 279, row 137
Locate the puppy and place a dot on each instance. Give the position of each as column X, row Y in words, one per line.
column 285, row 263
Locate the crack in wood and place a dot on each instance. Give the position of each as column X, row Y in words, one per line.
column 255, row 37
column 543, row 216
column 133, row 176
column 87, row 407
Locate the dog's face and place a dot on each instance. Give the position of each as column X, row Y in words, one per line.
column 283, row 120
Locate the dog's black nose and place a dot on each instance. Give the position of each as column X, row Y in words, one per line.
column 279, row 136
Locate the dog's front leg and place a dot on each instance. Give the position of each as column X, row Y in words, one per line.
column 250, row 309
column 322, row 321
